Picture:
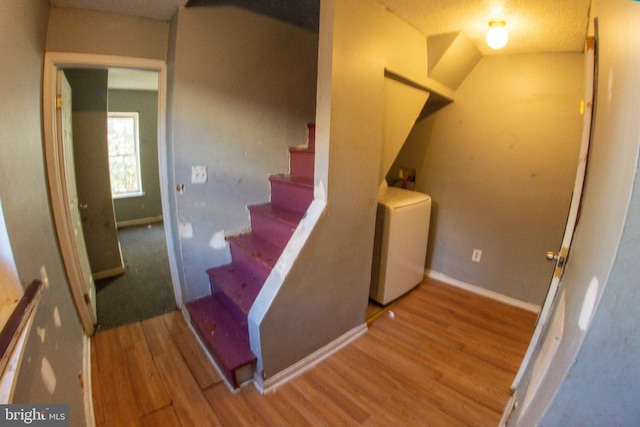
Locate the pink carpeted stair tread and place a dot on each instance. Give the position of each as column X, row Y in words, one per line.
column 286, row 216
column 291, row 192
column 254, row 254
column 241, row 288
column 221, row 318
column 302, row 162
column 292, row 179
column 225, row 340
column 274, row 223
column 311, row 136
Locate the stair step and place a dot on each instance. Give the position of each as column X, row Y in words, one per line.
column 255, row 255
column 301, row 161
column 294, row 193
column 311, row 136
column 225, row 340
column 221, row 318
column 273, row 223
column 235, row 290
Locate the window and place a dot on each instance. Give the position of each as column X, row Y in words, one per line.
column 124, row 155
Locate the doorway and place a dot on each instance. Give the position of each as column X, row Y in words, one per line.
column 54, row 62
column 115, row 116
column 144, row 289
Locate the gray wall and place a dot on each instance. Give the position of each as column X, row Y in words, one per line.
column 605, row 372
column 243, row 90
column 594, row 378
column 23, row 191
column 87, row 31
column 499, row 163
column 326, row 291
column 145, row 103
column 91, row 155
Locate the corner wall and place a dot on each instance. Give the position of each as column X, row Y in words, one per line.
column 23, row 27
column 325, row 293
column 500, row 164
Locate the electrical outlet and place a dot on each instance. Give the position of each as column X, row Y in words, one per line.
column 476, row 255
column 198, row 174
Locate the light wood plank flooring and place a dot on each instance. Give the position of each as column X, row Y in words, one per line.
column 438, row 357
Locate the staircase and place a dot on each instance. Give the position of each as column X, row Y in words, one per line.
column 221, row 318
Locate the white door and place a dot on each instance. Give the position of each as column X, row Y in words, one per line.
column 80, row 270
column 535, row 362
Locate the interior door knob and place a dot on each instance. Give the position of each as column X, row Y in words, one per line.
column 552, row 256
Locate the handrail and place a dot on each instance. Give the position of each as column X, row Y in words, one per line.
column 12, row 330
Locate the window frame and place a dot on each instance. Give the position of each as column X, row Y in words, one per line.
column 136, row 120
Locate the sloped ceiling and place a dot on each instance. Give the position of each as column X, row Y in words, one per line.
column 533, row 25
column 303, row 13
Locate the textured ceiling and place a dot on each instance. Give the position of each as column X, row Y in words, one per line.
column 533, row 25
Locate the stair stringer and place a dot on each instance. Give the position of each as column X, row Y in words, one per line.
column 276, row 278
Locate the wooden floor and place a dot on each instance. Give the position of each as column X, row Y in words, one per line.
column 438, row 357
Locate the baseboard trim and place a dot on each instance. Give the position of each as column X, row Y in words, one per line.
column 298, row 368
column 482, row 291
column 87, row 387
column 108, row 273
column 139, row 221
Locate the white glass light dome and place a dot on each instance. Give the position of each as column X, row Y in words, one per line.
column 497, row 36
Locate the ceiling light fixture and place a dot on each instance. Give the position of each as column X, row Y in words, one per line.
column 497, row 36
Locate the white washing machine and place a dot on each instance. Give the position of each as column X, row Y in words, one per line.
column 400, row 247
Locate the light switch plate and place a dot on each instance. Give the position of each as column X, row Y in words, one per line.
column 198, row 174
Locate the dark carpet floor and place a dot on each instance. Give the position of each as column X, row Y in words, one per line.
column 145, row 289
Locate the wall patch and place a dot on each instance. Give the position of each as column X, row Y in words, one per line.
column 56, row 317
column 319, row 192
column 48, row 376
column 41, row 333
column 185, row 230
column 218, row 241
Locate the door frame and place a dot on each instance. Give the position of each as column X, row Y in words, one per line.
column 60, row 60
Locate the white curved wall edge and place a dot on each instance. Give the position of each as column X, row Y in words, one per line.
column 280, row 271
